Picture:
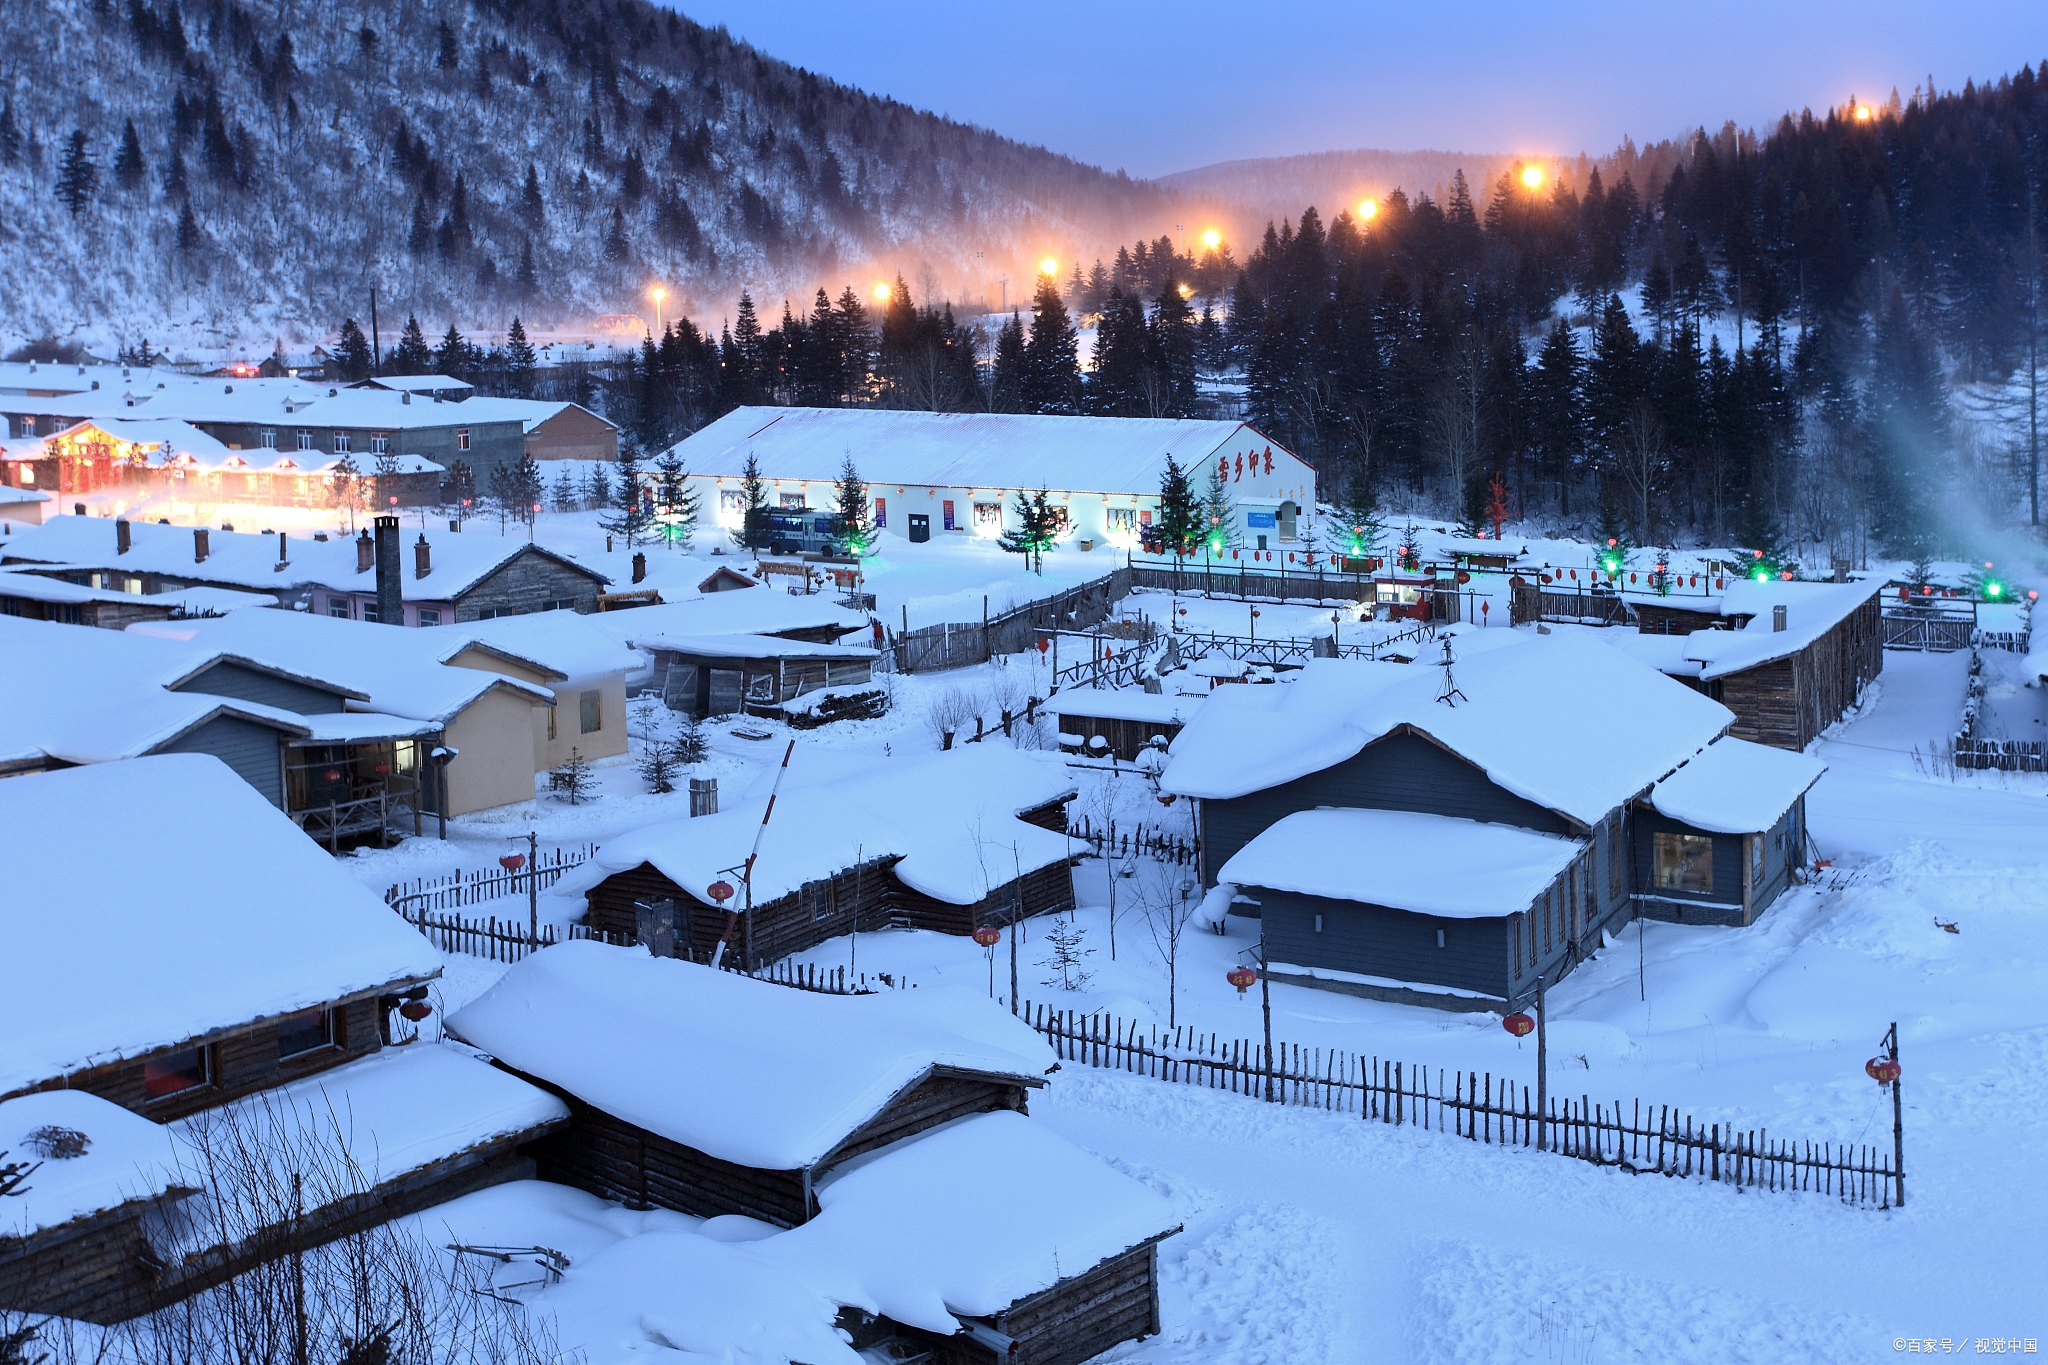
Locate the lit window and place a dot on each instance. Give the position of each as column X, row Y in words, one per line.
column 342, row 443
column 881, row 512
column 988, row 516
column 791, row 500
column 268, row 438
column 1684, row 862
column 305, row 1032
column 592, row 712
column 305, row 439
column 462, row 439
column 1123, row 521
column 173, row 1073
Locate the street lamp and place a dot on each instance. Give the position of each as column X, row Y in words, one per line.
column 1532, row 176
column 1368, row 209
column 1048, row 266
column 658, row 294
column 1864, row 113
column 1212, row 239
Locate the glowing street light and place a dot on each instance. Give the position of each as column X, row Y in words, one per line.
column 1532, row 176
column 1864, row 113
column 1212, row 239
column 882, row 293
column 1368, row 209
column 1048, row 266
column 658, row 294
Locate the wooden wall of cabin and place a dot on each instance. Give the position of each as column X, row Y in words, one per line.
column 1125, row 738
column 940, row 1097
column 614, row 1159
column 1373, row 940
column 1072, row 1321
column 244, row 1060
column 1766, row 704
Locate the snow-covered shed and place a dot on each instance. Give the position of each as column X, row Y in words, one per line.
column 1555, row 734
column 934, row 474
column 723, row 675
column 1722, row 837
column 948, row 842
column 714, row 1093
column 586, row 668
column 994, row 1227
column 809, row 618
column 1127, row 720
column 22, row 506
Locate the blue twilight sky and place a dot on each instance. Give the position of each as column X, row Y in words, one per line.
column 1156, row 87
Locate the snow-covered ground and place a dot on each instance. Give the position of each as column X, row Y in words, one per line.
column 1317, row 1237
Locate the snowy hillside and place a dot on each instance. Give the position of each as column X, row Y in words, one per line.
column 471, row 162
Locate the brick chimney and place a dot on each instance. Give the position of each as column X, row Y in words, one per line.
column 639, row 567
column 422, row 557
column 284, row 552
column 366, row 551
column 121, row 538
column 200, row 547
column 390, row 593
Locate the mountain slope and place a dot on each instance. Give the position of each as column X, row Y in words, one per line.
column 293, row 155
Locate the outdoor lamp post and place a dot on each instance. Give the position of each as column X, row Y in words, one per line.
column 658, row 294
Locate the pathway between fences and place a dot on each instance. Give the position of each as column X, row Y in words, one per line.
column 1629, row 1135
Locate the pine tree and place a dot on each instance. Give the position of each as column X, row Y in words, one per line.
column 752, row 533
column 573, row 779
column 1174, row 342
column 189, row 235
column 1219, row 522
column 1006, row 380
column 352, row 354
column 1359, row 527
column 675, row 502
column 455, row 356
column 851, row 496
column 445, row 56
column 1034, row 532
column 10, row 135
column 1052, row 357
column 129, row 167
column 629, row 518
column 564, row 493
column 533, row 205
column 1180, row 517
column 1064, row 937
column 419, row 239
column 615, row 248
column 78, row 176
column 519, row 360
column 412, row 355
column 692, row 745
column 658, row 766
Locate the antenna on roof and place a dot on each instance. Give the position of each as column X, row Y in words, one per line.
column 1450, row 696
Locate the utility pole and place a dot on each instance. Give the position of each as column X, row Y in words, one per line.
column 533, row 885
column 1265, row 1007
column 1542, row 1075
column 1891, row 1051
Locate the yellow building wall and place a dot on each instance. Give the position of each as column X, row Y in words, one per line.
column 496, row 764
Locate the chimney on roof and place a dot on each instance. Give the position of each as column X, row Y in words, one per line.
column 1778, row 617
column 366, row 552
column 200, row 547
column 284, row 553
column 121, row 541
column 390, row 589
column 405, row 397
column 422, row 557
column 639, row 566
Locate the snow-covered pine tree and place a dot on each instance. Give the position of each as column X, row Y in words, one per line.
column 658, row 765
column 1219, row 521
column 629, row 518
column 692, row 745
column 573, row 780
column 675, row 502
column 79, row 175
column 851, row 497
column 753, row 528
column 1064, row 938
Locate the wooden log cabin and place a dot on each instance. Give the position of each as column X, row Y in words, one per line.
column 1790, row 659
column 723, row 675
column 761, row 1088
column 1724, row 836
column 1555, row 736
column 247, row 979
column 1127, row 721
column 948, row 842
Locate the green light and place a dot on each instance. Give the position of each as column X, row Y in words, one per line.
column 1993, row 589
column 1763, row 575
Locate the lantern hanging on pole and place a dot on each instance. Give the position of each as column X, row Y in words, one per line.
column 416, row 1010
column 988, row 936
column 1883, row 1070
column 1519, row 1024
column 1244, row 978
column 512, row 862
column 720, row 891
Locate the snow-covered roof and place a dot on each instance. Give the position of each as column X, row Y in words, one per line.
column 1124, row 704
column 948, row 818
column 1559, row 720
column 1736, row 787
column 563, row 642
column 1811, row 611
column 16, row 581
column 248, row 560
column 416, row 383
column 747, row 647
column 396, row 671
column 126, row 1158
column 1124, row 455
column 967, row 1219
column 23, row 496
column 84, row 695
column 1404, row 860
column 749, row 1072
column 396, row 1111
column 750, row 611
column 207, row 911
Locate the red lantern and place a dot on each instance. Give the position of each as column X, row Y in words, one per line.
column 1043, row 644
column 1516, row 582
column 1521, row 1025
column 1575, row 575
column 1464, row 577
column 1720, row 583
column 1167, row 798
column 988, row 936
column 1241, row 977
column 1883, row 1070
column 512, row 862
column 1486, row 608
column 415, row 1010
column 383, row 768
column 721, row 891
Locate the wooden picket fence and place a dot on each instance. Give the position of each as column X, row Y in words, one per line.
column 498, row 940
column 1126, row 841
column 459, row 889
column 1632, row 1136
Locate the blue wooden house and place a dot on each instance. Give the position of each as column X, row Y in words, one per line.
column 1536, row 754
